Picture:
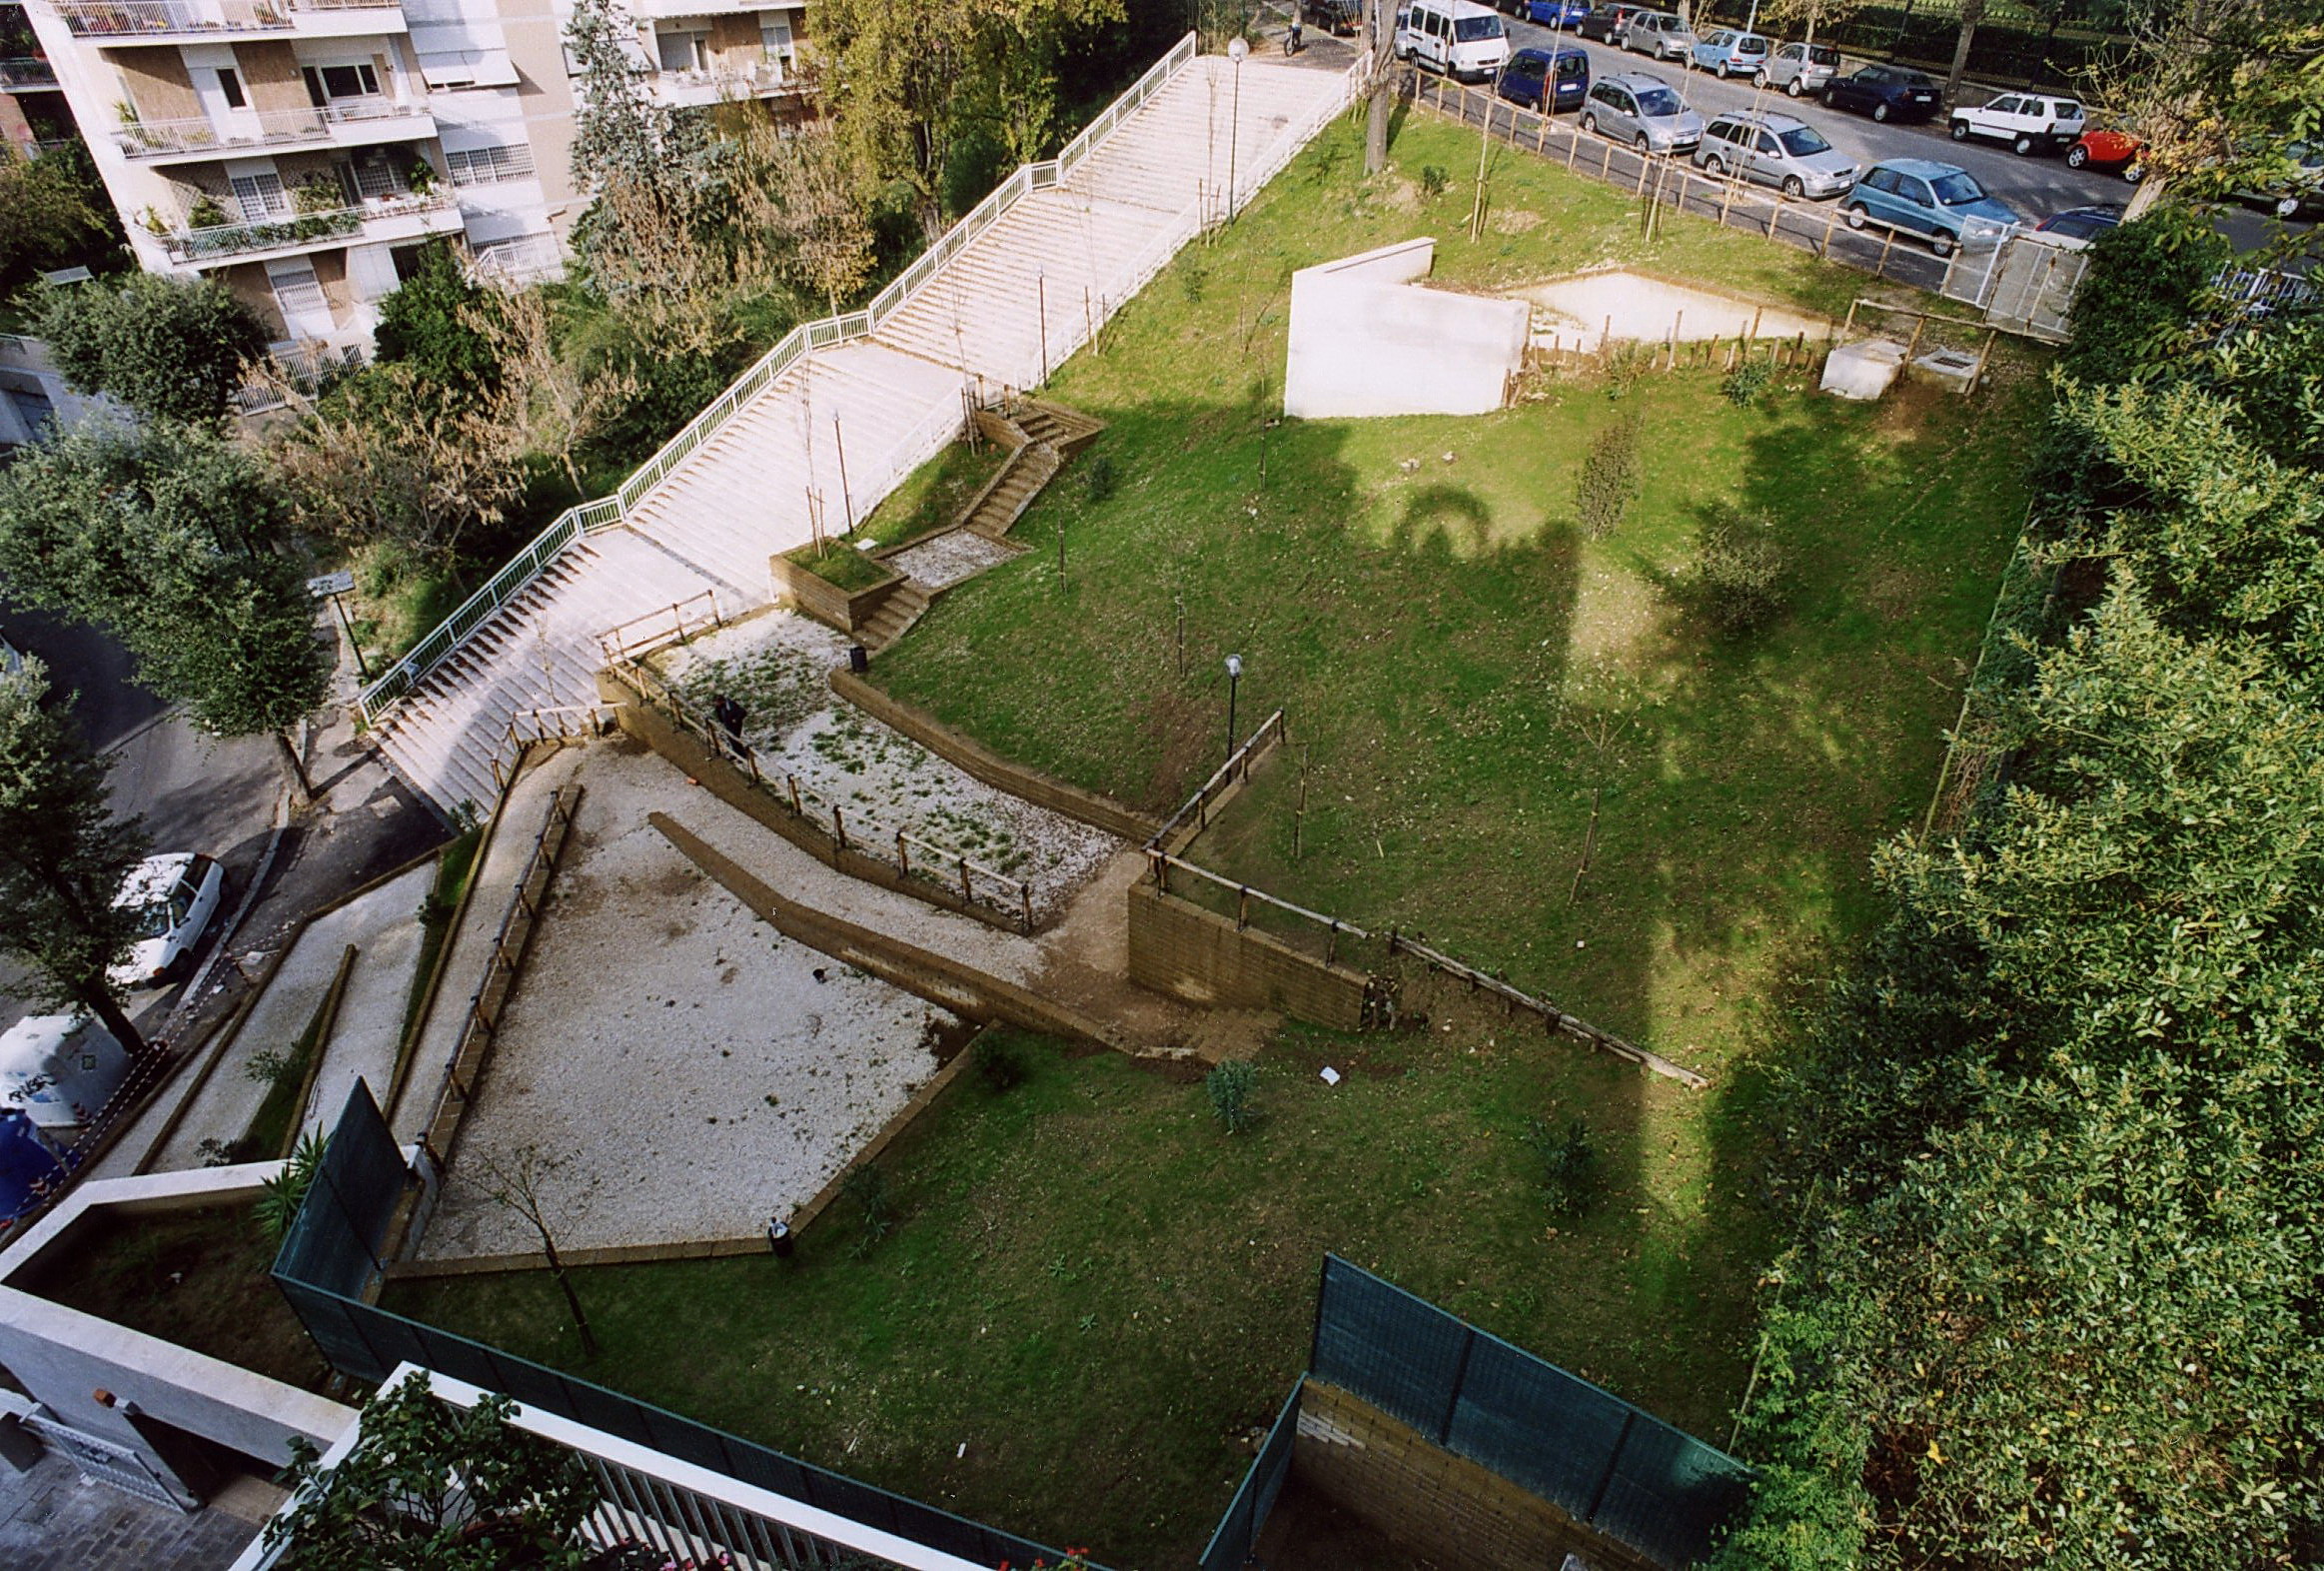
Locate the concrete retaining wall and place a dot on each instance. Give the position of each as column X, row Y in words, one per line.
column 972, row 757
column 1420, row 1494
column 1179, row 949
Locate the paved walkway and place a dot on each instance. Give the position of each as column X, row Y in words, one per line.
column 51, row 1521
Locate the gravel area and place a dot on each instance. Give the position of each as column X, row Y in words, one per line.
column 693, row 1071
column 952, row 556
column 775, row 666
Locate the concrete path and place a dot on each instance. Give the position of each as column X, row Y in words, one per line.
column 50, row 1520
column 370, row 1013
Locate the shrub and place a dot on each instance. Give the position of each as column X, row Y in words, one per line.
column 866, row 1187
column 1230, row 1086
column 1571, row 1174
column 1742, row 572
column 1001, row 1061
column 1099, row 480
column 1433, row 180
column 1747, row 382
column 269, row 1066
column 1191, row 281
column 1610, row 479
column 281, row 1197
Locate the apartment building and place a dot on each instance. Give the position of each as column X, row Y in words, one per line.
column 304, row 150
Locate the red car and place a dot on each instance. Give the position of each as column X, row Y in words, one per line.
column 2116, row 150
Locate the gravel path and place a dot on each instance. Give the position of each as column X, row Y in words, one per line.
column 371, row 1012
column 775, row 666
column 952, row 556
column 695, row 1071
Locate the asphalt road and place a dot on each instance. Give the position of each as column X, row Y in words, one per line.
column 2036, row 187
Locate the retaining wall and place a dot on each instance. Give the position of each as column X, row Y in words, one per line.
column 1421, row 1495
column 812, row 595
column 1179, row 949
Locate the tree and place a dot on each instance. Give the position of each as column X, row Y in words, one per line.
column 1809, row 14
column 518, row 1183
column 433, row 323
column 1972, row 15
column 169, row 347
column 796, row 187
column 166, row 535
column 2226, row 95
column 432, row 1484
column 620, row 132
column 63, row 858
column 53, row 211
column 559, row 402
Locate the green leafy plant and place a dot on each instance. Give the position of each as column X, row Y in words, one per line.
column 866, row 1189
column 1744, row 384
column 1192, row 280
column 1099, row 480
column 281, row 1197
column 1433, row 181
column 267, row 1066
column 1001, row 1061
column 1231, row 1087
column 1610, row 480
column 1573, row 1178
column 1742, row 576
column 205, row 212
column 318, row 193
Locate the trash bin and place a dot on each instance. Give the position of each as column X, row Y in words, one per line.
column 859, row 658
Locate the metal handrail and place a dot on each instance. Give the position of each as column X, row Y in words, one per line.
column 114, row 18
column 609, row 511
column 257, row 127
column 297, row 229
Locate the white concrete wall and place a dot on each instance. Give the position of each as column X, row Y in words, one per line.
column 1366, row 340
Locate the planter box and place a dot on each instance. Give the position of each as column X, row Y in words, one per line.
column 850, row 611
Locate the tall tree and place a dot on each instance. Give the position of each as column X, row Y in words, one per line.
column 169, row 347
column 63, row 856
column 561, row 403
column 53, row 212
column 1973, row 16
column 430, row 323
column 1808, row 14
column 2228, row 95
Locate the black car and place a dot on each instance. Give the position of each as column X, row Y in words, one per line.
column 1606, row 23
column 1884, row 92
column 1339, row 18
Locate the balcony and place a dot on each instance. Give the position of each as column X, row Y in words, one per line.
column 398, row 218
column 346, row 123
column 181, row 21
column 714, row 84
column 663, row 9
column 27, row 76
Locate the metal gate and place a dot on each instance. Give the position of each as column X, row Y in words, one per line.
column 117, row 1465
column 2026, row 284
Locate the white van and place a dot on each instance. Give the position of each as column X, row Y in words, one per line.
column 1458, row 37
column 59, row 1069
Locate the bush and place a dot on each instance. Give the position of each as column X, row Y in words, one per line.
column 2144, row 296
column 1747, row 382
column 1098, row 477
column 1230, row 1086
column 1191, row 282
column 1572, row 1177
column 1000, row 1062
column 1742, row 572
column 171, row 348
column 1610, row 479
column 867, row 1188
column 1433, row 180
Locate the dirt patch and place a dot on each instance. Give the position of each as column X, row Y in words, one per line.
column 949, row 558
column 1515, row 221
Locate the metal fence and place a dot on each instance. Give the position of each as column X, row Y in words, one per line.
column 1611, row 1467
column 330, row 1262
column 1234, row 1542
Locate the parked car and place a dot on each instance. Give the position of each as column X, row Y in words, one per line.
column 1456, row 37
column 1798, row 68
column 2109, row 147
column 2300, row 196
column 175, row 897
column 1885, row 92
column 1606, row 22
column 1566, row 15
column 1339, row 18
column 2029, row 122
column 1544, row 79
column 1776, row 150
column 1659, row 33
column 2076, row 227
column 1643, row 110
column 1730, row 53
column 1941, row 203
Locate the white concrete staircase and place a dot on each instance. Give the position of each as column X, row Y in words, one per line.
column 895, row 398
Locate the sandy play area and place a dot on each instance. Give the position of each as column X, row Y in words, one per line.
column 695, row 1071
column 775, row 666
column 1587, row 311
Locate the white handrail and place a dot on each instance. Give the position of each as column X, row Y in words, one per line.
column 609, row 511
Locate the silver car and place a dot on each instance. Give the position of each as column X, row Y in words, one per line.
column 1643, row 110
column 1798, row 68
column 1661, row 34
column 1776, row 150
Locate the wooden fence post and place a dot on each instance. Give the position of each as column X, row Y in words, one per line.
column 903, row 856
column 838, row 826
column 967, row 895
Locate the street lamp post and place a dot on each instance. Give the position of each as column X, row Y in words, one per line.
column 1237, row 50
column 1234, row 683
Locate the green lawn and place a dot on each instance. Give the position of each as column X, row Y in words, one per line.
column 1090, row 1284
column 838, row 562
column 1100, row 1291
column 931, row 497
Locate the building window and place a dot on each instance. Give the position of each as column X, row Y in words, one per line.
column 260, row 197
column 774, row 34
column 682, row 51
column 296, row 291
column 325, row 83
column 483, row 166
column 230, row 86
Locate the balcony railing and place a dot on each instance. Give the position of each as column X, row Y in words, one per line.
column 297, row 229
column 27, row 73
column 709, row 83
column 116, row 18
column 264, row 128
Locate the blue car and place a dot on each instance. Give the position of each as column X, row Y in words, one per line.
column 1557, row 13
column 1940, row 203
column 1560, row 76
column 1730, row 53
